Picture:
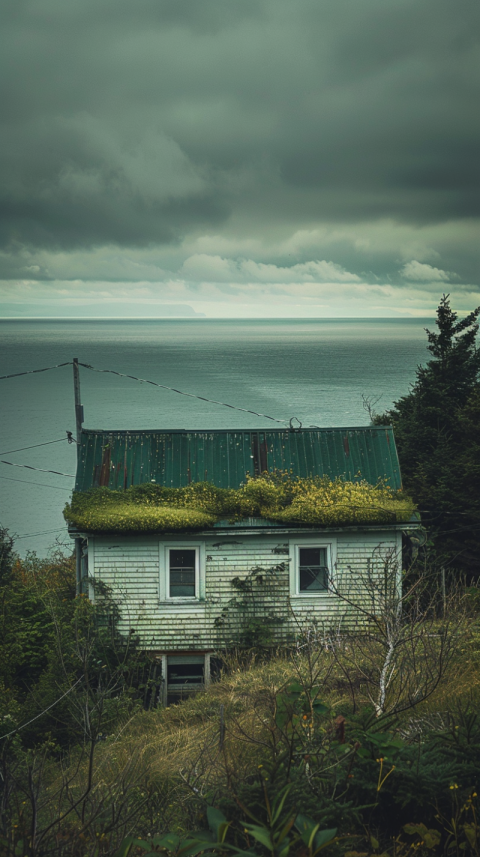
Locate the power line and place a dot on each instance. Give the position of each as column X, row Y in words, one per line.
column 33, row 371
column 155, row 384
column 182, row 393
column 40, row 469
column 42, row 484
column 23, row 448
column 44, row 533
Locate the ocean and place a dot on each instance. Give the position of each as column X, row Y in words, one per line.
column 319, row 371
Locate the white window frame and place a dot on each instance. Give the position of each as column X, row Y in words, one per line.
column 165, row 549
column 294, row 547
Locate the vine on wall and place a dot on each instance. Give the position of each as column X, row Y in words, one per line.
column 254, row 618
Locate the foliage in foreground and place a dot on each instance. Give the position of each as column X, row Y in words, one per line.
column 52, row 642
column 282, row 498
column 280, row 834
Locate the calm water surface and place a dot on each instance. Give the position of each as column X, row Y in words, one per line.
column 314, row 370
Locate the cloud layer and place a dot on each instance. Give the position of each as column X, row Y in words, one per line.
column 209, row 147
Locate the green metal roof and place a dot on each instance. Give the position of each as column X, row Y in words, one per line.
column 118, row 459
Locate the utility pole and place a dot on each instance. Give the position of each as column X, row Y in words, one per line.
column 78, row 405
column 78, row 423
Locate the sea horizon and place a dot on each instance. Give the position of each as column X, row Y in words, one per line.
column 204, row 318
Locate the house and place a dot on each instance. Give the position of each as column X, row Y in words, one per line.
column 187, row 592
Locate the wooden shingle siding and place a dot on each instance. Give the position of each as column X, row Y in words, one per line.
column 131, row 568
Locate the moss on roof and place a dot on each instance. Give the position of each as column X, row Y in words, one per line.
column 319, row 502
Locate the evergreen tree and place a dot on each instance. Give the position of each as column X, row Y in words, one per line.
column 436, row 429
column 7, row 555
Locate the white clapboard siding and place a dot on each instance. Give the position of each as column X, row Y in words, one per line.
column 132, row 566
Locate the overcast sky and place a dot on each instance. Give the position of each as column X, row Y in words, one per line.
column 239, row 157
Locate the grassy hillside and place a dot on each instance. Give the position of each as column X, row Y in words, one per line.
column 293, row 727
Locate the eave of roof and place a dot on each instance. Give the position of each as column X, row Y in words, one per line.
column 243, row 528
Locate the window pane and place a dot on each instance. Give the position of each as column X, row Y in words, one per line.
column 182, row 573
column 185, row 673
column 313, row 569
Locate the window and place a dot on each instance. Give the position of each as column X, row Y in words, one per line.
column 311, row 566
column 182, row 572
column 313, row 569
column 184, row 675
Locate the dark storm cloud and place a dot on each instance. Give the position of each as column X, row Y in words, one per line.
column 135, row 123
column 72, row 182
